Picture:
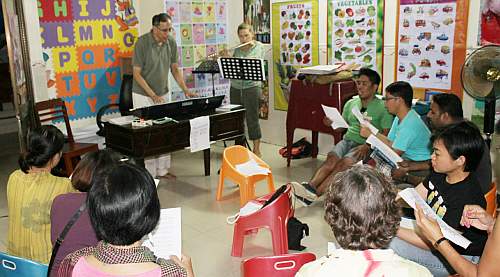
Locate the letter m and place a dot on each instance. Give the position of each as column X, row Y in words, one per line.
column 85, row 32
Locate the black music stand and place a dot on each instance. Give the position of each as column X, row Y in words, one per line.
column 242, row 69
column 208, row 67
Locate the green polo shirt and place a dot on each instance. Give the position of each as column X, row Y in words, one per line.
column 154, row 60
column 375, row 111
column 257, row 51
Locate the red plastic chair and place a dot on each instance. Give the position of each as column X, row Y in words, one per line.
column 273, row 216
column 276, row 266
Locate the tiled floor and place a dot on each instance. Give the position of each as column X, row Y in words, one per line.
column 207, row 238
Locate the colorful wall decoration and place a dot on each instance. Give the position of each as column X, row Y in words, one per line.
column 200, row 30
column 258, row 14
column 295, row 44
column 489, row 28
column 431, row 43
column 82, row 41
column 356, row 33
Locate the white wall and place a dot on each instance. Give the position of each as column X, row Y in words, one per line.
column 273, row 129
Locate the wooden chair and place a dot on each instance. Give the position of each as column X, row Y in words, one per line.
column 55, row 109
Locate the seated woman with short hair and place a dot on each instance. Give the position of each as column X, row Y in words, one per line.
column 81, row 234
column 361, row 209
column 123, row 208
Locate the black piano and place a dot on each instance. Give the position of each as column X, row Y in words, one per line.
column 142, row 142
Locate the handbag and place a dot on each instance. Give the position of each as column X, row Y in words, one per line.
column 63, row 234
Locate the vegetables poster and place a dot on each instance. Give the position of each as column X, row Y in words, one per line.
column 296, row 46
column 199, row 28
column 355, row 32
column 431, row 43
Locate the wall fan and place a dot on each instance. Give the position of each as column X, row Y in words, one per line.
column 481, row 80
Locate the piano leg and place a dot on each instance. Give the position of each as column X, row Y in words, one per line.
column 206, row 161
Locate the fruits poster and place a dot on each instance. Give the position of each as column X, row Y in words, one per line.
column 199, row 28
column 296, row 45
column 356, row 32
column 431, row 43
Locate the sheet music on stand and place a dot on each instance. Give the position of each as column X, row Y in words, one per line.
column 242, row 69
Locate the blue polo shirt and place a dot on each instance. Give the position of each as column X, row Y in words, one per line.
column 412, row 136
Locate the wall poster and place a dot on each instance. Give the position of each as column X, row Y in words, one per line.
column 356, row 33
column 258, row 14
column 489, row 27
column 82, row 41
column 296, row 45
column 431, row 43
column 200, row 30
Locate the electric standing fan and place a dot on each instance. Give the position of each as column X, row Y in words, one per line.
column 480, row 78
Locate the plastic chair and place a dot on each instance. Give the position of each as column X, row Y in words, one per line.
column 238, row 154
column 491, row 200
column 279, row 266
column 16, row 266
column 274, row 216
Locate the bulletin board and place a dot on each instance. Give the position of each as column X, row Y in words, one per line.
column 81, row 43
column 199, row 28
column 295, row 44
column 431, row 44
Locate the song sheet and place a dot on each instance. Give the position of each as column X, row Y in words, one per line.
column 166, row 238
column 411, row 196
column 336, row 118
column 199, row 138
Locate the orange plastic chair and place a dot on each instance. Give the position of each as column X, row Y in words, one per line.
column 233, row 156
column 491, row 200
column 279, row 266
column 273, row 216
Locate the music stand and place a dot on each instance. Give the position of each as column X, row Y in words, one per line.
column 210, row 67
column 242, row 69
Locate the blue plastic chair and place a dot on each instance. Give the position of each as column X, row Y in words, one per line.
column 16, row 266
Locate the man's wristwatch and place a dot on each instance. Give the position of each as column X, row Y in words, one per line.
column 437, row 242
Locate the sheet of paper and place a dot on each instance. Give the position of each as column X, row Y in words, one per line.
column 407, row 223
column 336, row 118
column 331, row 246
column 228, row 107
column 357, row 113
column 199, row 138
column 166, row 238
column 411, row 196
column 386, row 150
column 251, row 167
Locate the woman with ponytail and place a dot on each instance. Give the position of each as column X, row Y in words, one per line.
column 30, row 191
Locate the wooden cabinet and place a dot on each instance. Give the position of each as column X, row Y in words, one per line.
column 305, row 112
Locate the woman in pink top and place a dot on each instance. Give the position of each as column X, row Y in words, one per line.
column 123, row 208
column 64, row 206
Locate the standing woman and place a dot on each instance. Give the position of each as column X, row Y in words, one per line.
column 30, row 192
column 246, row 92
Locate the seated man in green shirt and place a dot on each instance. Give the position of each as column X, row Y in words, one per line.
column 352, row 145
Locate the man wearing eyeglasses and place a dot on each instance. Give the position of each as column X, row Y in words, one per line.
column 409, row 137
column 352, row 147
column 155, row 55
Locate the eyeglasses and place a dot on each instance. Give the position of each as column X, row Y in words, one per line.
column 387, row 98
